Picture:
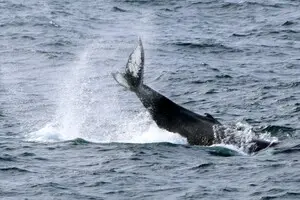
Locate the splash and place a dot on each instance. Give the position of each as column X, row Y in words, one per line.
column 241, row 135
column 49, row 133
column 91, row 107
column 142, row 129
column 136, row 130
column 70, row 113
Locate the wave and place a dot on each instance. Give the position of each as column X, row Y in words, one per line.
column 58, row 43
column 242, row 34
column 287, row 150
column 207, row 45
column 223, row 76
column 288, row 23
column 79, row 141
column 282, row 85
column 225, row 150
column 247, row 4
column 7, row 158
column 202, row 81
column 14, row 169
column 282, row 195
column 278, row 131
column 202, row 166
column 238, row 5
column 117, row 9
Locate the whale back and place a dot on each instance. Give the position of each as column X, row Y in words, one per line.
column 198, row 129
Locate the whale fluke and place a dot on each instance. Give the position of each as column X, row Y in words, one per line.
column 134, row 71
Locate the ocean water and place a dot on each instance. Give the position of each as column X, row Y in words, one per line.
column 69, row 131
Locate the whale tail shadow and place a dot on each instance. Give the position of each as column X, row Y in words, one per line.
column 134, row 71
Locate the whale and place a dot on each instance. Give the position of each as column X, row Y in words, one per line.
column 198, row 129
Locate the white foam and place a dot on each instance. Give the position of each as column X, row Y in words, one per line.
column 241, row 135
column 151, row 134
column 136, row 130
column 49, row 133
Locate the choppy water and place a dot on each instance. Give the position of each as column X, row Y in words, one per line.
column 68, row 131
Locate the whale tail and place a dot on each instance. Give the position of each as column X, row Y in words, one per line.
column 134, row 71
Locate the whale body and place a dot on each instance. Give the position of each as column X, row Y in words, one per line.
column 197, row 129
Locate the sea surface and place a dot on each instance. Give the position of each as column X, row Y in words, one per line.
column 69, row 131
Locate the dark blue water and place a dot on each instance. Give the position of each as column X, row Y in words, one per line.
column 68, row 131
